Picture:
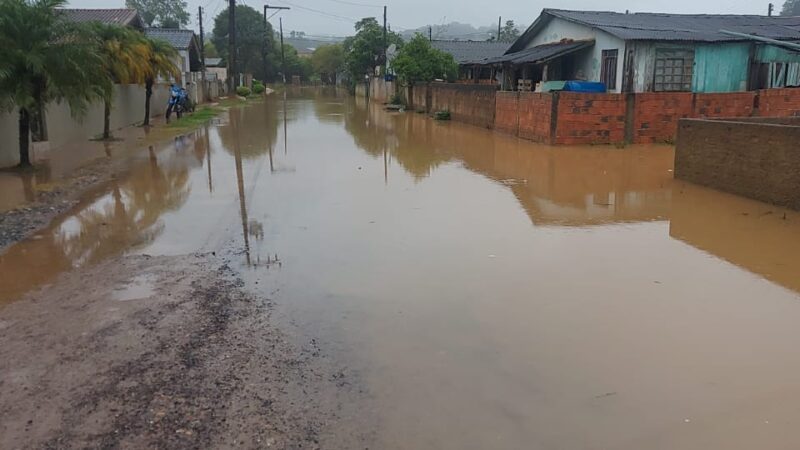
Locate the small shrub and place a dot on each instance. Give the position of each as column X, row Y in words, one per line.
column 442, row 115
column 258, row 89
column 243, row 91
column 397, row 99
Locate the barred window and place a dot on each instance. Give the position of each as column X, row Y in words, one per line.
column 608, row 69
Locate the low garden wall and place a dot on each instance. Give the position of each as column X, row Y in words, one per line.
column 757, row 158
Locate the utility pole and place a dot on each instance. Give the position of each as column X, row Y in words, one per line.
column 770, row 8
column 202, row 55
column 232, row 47
column 499, row 18
column 283, row 56
column 430, row 34
column 385, row 59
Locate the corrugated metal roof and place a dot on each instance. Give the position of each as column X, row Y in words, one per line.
column 669, row 27
column 180, row 39
column 689, row 27
column 471, row 51
column 540, row 53
column 213, row 62
column 121, row 16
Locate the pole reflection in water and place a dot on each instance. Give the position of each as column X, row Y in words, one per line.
column 237, row 155
column 285, row 134
column 208, row 161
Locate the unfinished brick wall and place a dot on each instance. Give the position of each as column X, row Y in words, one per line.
column 535, row 115
column 506, row 116
column 656, row 115
column 590, row 118
column 729, row 104
column 779, row 102
column 473, row 104
column 753, row 159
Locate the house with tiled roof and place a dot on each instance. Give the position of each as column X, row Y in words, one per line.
column 652, row 52
column 185, row 42
column 119, row 16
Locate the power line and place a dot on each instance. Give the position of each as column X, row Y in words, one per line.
column 317, row 11
column 367, row 5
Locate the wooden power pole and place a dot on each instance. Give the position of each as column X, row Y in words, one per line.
column 202, row 56
column 232, row 47
column 499, row 19
column 280, row 21
column 283, row 55
column 385, row 44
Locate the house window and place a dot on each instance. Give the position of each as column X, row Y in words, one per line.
column 608, row 70
column 673, row 71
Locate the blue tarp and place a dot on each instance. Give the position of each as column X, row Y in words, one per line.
column 585, row 86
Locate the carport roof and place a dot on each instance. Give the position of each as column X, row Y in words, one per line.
column 540, row 53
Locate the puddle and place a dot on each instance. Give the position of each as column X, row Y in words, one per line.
column 137, row 288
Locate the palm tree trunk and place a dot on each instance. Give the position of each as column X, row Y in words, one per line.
column 24, row 137
column 106, row 119
column 148, row 93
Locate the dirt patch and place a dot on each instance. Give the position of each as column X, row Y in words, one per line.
column 198, row 363
column 19, row 223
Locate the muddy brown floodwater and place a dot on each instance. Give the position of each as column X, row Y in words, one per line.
column 463, row 289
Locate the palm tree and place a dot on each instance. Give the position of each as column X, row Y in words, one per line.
column 43, row 58
column 125, row 60
column 159, row 63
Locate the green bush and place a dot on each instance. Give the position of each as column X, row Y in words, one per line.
column 243, row 91
column 397, row 99
column 258, row 88
column 442, row 115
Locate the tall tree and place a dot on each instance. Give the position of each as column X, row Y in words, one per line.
column 364, row 51
column 161, row 13
column 791, row 8
column 255, row 42
column 211, row 50
column 160, row 62
column 509, row 32
column 125, row 55
column 43, row 58
column 327, row 61
column 418, row 62
column 295, row 65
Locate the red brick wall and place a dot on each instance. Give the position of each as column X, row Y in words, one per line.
column 534, row 116
column 590, row 118
column 656, row 115
column 731, row 104
column 779, row 102
column 473, row 104
column 506, row 117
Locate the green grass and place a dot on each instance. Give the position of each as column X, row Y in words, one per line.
column 197, row 118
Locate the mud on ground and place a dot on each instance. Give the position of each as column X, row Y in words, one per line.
column 196, row 363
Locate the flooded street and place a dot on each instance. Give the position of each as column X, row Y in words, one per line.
column 465, row 289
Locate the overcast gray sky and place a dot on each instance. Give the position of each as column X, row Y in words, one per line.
column 335, row 17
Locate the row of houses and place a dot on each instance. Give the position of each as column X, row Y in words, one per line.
column 186, row 42
column 639, row 52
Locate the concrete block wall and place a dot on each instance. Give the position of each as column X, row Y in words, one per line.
column 473, row 104
column 755, row 159
column 127, row 109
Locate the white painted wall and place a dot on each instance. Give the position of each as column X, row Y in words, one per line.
column 127, row 109
column 558, row 29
